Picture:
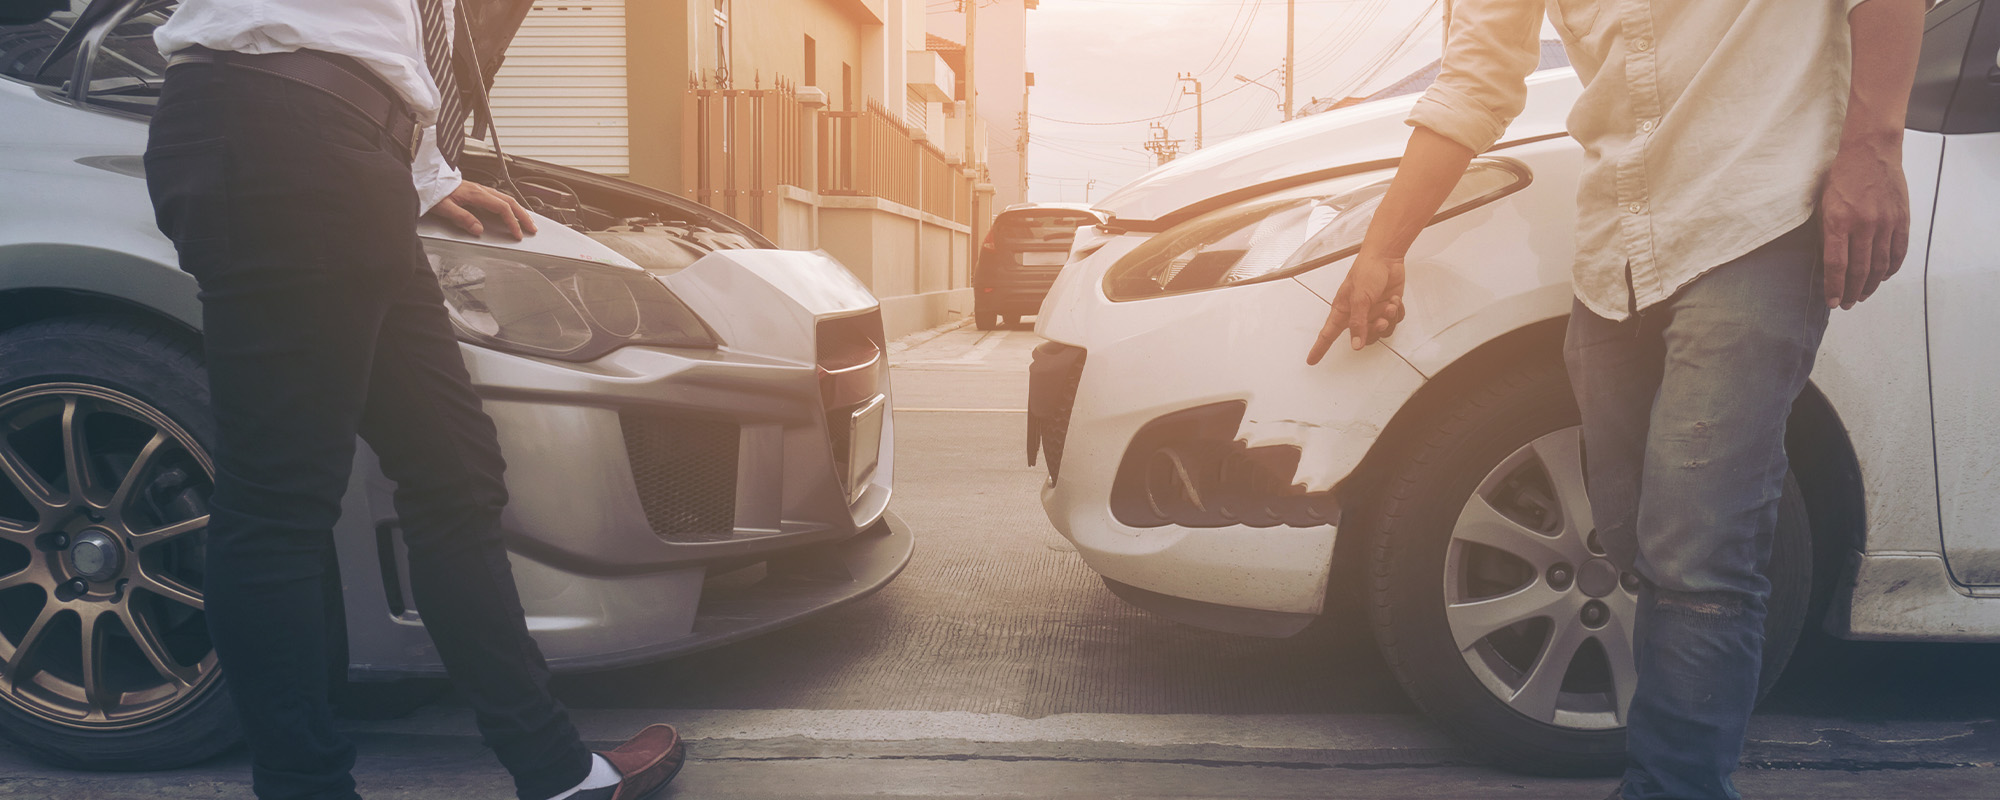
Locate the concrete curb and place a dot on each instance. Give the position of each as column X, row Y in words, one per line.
column 919, row 338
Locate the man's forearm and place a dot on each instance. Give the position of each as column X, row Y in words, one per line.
column 1887, row 35
column 1431, row 168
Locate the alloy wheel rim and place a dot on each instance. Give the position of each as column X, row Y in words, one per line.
column 1540, row 615
column 103, row 507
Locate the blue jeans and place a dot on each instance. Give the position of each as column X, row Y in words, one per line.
column 1684, row 410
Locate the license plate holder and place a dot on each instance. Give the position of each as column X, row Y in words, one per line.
column 864, row 445
column 1044, row 258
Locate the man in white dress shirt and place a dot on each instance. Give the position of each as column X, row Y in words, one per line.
column 1742, row 175
column 295, row 146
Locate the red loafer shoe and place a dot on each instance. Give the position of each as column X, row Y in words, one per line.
column 647, row 762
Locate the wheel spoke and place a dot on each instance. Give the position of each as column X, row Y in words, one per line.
column 76, row 451
column 1543, row 685
column 1616, row 639
column 25, row 576
column 155, row 536
column 1476, row 620
column 93, row 664
column 1561, row 454
column 24, row 651
column 126, row 485
column 1481, row 523
column 169, row 589
column 148, row 639
column 19, row 532
column 31, row 485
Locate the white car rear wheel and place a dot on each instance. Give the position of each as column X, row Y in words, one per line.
column 1491, row 596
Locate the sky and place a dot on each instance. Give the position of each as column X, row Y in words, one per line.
column 1105, row 70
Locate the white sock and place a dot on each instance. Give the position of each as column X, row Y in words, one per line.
column 602, row 774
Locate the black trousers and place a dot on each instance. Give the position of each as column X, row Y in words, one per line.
column 322, row 321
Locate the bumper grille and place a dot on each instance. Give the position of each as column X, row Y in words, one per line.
column 685, row 470
column 1052, row 380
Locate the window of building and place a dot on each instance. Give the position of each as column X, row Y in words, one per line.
column 812, row 62
column 846, row 87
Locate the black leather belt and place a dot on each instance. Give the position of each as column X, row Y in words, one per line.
column 336, row 75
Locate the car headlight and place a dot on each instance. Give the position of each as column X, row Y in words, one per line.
column 1283, row 233
column 557, row 307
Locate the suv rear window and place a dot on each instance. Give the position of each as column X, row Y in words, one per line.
column 1032, row 228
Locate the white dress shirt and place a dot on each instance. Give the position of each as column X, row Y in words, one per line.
column 384, row 35
column 1707, row 126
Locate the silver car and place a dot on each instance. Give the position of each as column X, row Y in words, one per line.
column 696, row 424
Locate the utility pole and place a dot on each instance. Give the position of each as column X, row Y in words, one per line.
column 1162, row 148
column 1021, row 140
column 1188, row 77
column 1291, row 62
column 971, row 135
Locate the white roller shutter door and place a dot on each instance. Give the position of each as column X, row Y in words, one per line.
column 560, row 94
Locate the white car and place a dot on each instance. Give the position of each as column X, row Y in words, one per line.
column 1210, row 476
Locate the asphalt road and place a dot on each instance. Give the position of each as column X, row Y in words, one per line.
column 997, row 665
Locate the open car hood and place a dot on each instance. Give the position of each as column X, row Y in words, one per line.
column 1369, row 132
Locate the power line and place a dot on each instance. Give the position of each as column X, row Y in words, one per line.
column 1218, row 96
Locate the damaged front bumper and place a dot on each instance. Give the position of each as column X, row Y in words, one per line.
column 1193, row 456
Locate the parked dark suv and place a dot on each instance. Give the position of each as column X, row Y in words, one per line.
column 1023, row 251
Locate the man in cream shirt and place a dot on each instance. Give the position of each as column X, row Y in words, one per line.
column 1742, row 177
column 295, row 146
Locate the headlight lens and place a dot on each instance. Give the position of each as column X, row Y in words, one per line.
column 557, row 307
column 1283, row 233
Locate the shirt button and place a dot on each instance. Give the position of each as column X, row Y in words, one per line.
column 1646, row 126
column 1642, row 44
column 1635, row 207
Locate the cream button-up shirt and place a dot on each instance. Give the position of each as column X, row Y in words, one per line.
column 1707, row 125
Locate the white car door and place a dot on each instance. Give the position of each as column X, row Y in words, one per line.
column 1962, row 291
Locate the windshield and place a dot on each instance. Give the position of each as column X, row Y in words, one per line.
column 125, row 71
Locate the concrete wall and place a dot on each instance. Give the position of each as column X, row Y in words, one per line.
column 913, row 261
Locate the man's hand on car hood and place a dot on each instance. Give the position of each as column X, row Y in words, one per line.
column 457, row 209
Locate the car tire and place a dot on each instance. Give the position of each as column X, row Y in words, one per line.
column 1423, row 560
column 985, row 320
column 1010, row 321
column 92, row 368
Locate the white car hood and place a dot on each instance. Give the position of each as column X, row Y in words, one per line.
column 1353, row 135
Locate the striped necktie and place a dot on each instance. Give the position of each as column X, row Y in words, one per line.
column 452, row 110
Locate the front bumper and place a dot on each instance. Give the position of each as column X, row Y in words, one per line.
column 665, row 500
column 1151, row 359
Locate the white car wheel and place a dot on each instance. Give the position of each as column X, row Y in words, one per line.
column 1492, row 599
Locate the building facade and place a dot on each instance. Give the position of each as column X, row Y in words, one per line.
column 827, row 124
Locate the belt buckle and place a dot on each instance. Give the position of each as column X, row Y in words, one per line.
column 416, row 139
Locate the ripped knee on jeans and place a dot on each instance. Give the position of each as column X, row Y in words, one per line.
column 1710, row 605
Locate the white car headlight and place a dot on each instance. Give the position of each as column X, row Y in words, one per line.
column 557, row 307
column 1283, row 233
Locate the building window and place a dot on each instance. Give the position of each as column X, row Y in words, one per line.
column 846, row 87
column 812, row 62
column 722, row 43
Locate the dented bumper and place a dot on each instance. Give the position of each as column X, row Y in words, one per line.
column 1192, row 452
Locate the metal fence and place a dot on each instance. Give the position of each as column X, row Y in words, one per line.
column 871, row 153
column 741, row 144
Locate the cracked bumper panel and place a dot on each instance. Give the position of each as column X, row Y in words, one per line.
column 1151, row 358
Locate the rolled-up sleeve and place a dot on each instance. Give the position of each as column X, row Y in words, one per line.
column 1482, row 81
